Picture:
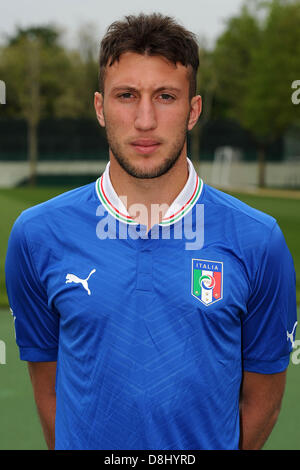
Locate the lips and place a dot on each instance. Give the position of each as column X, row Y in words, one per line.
column 145, row 146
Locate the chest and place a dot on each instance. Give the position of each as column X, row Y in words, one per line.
column 152, row 290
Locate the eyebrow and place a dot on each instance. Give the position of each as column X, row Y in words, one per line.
column 130, row 88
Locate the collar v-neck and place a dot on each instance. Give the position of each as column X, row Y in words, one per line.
column 182, row 204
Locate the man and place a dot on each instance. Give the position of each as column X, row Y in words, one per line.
column 153, row 310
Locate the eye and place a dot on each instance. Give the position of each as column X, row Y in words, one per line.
column 166, row 97
column 125, row 96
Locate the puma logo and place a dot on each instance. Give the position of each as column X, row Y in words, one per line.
column 77, row 280
column 290, row 336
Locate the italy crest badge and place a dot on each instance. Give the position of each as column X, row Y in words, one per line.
column 207, row 280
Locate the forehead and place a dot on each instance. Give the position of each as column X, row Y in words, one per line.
column 137, row 70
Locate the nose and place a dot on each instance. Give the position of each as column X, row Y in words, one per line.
column 145, row 114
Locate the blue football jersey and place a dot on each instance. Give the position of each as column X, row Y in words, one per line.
column 151, row 330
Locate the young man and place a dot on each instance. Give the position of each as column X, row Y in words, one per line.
column 153, row 310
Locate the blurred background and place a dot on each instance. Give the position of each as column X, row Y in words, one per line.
column 247, row 141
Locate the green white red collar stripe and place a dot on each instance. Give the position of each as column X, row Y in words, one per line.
column 178, row 209
column 110, row 200
column 178, row 214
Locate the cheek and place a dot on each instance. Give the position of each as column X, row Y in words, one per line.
column 119, row 119
column 173, row 122
column 174, row 114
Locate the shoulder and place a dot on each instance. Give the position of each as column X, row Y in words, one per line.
column 68, row 201
column 251, row 236
column 242, row 218
column 247, row 234
column 54, row 212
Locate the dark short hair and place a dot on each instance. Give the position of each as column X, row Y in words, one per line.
column 154, row 35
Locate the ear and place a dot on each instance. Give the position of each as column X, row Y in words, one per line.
column 195, row 111
column 98, row 103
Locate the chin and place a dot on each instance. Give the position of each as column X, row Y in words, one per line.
column 148, row 170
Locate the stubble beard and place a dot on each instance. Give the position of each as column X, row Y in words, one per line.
column 132, row 170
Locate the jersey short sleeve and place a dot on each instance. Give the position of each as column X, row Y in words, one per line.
column 36, row 326
column 268, row 328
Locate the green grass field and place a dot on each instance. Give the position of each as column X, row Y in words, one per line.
column 19, row 424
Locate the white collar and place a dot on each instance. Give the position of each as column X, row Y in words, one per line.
column 183, row 203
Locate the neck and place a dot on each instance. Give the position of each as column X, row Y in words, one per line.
column 147, row 200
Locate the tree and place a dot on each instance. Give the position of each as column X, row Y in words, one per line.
column 268, row 109
column 81, row 77
column 233, row 60
column 256, row 60
column 33, row 64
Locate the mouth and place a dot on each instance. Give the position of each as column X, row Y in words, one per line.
column 145, row 146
